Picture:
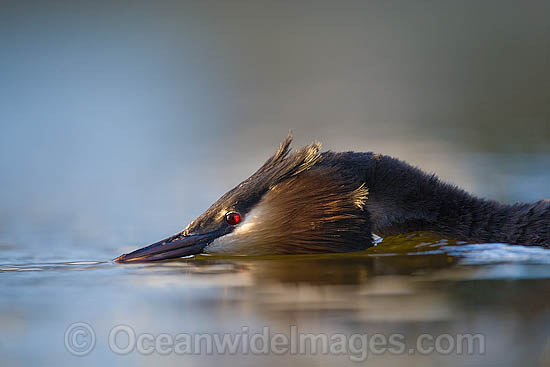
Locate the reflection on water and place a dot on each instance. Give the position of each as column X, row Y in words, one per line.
column 121, row 123
column 410, row 285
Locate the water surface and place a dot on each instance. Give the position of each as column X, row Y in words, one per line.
column 120, row 123
column 407, row 285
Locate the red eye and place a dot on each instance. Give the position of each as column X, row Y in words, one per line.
column 233, row 218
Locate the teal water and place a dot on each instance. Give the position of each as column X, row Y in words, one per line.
column 407, row 285
column 121, row 122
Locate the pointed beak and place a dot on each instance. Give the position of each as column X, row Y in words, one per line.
column 169, row 248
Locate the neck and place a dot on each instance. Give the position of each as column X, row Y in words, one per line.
column 404, row 199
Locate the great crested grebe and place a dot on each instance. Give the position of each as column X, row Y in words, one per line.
column 310, row 202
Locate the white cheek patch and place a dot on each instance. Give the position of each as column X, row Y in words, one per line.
column 241, row 240
column 245, row 227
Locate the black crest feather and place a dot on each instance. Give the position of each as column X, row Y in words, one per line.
column 282, row 165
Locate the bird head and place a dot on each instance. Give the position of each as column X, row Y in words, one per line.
column 297, row 202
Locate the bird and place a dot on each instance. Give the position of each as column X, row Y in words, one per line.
column 311, row 202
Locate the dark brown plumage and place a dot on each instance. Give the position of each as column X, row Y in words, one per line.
column 403, row 199
column 311, row 202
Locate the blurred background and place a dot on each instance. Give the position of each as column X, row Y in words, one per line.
column 121, row 121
